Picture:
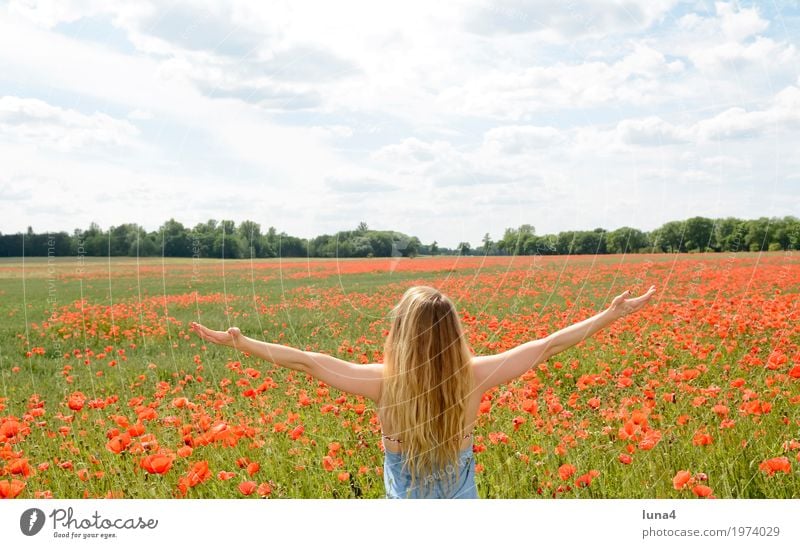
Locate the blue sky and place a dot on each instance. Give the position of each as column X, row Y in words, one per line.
column 441, row 120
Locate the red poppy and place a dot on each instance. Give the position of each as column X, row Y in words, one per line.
column 19, row 467
column 197, row 473
column 702, row 438
column 119, row 443
column 702, row 490
column 10, row 489
column 297, row 431
column 566, row 470
column 681, row 479
column 157, row 464
column 76, row 401
column 585, row 479
column 777, row 464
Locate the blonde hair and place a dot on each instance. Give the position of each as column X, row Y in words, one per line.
column 427, row 381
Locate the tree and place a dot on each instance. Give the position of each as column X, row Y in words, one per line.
column 463, row 248
column 142, row 244
column 249, row 233
column 381, row 243
column 174, row 239
column 271, row 243
column 412, row 249
column 782, row 233
column 94, row 242
column 434, row 248
column 362, row 227
column 362, row 247
column 758, row 234
column 119, row 239
column 793, row 230
column 699, row 233
column 729, row 234
column 565, row 243
column 227, row 244
column 590, row 242
column 487, row 243
column 670, row 237
column 515, row 241
column 625, row 240
column 292, row 246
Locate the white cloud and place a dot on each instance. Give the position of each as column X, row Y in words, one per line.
column 564, row 21
column 34, row 121
column 359, row 185
column 139, row 114
column 424, row 115
column 641, row 77
column 730, row 41
column 141, row 83
column 414, row 154
column 737, row 24
column 48, row 13
column 759, row 54
column 520, row 139
column 335, row 131
column 781, row 114
column 650, row 131
column 729, row 23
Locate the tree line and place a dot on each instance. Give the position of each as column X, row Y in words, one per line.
column 227, row 240
column 697, row 234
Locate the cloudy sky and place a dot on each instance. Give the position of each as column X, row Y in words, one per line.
column 443, row 120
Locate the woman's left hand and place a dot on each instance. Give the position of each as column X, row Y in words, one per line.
column 226, row 338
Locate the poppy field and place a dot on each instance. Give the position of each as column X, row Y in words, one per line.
column 105, row 392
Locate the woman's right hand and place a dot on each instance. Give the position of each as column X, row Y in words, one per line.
column 622, row 306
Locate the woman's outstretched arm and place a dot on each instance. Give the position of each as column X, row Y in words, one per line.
column 501, row 368
column 575, row 333
column 284, row 356
column 364, row 380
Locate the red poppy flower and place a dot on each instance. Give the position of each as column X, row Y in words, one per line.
column 777, row 464
column 119, row 443
column 10, row 489
column 702, row 490
column 681, row 479
column 566, row 470
column 157, row 464
column 297, row 431
column 585, row 479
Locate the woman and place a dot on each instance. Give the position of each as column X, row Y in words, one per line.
column 428, row 389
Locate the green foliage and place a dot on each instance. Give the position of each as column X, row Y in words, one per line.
column 223, row 239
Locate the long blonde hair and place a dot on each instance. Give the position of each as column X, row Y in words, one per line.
column 427, row 381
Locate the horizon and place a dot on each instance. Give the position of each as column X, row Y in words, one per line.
column 371, row 229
